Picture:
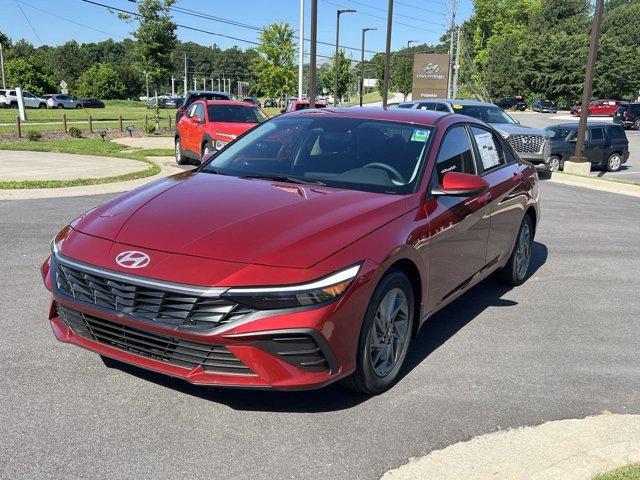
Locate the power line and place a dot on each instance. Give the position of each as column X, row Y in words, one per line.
column 27, row 19
column 422, row 9
column 395, row 14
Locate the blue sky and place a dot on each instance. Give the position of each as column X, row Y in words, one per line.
column 52, row 20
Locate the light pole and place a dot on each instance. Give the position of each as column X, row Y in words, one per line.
column 409, row 42
column 301, row 51
column 312, row 54
column 387, row 56
column 336, row 59
column 364, row 30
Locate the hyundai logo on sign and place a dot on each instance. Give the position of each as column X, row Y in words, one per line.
column 430, row 71
column 431, row 68
column 133, row 259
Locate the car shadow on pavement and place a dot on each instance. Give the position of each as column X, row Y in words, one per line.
column 440, row 328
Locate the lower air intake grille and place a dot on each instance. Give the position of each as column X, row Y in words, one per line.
column 298, row 349
column 165, row 348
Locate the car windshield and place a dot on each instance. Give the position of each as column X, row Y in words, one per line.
column 545, row 103
column 358, row 154
column 558, row 133
column 486, row 113
column 235, row 114
column 305, row 105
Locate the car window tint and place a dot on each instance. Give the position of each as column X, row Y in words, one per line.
column 191, row 110
column 199, row 111
column 489, row 149
column 455, row 153
column 441, row 107
column 597, row 134
column 405, row 105
column 27, row 95
column 616, row 131
column 235, row 114
column 426, row 106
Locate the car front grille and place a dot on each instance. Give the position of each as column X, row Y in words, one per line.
column 164, row 348
column 146, row 302
column 527, row 143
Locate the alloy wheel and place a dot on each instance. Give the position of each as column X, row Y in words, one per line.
column 389, row 332
column 523, row 252
column 554, row 164
column 178, row 152
column 614, row 162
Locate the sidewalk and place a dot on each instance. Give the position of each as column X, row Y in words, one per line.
column 146, row 142
column 560, row 450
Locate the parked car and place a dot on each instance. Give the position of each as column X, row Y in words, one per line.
column 252, row 100
column 8, row 98
column 56, row 100
column 606, row 145
column 268, row 103
column 512, row 103
column 544, row 106
column 628, row 116
column 294, row 105
column 599, row 107
column 308, row 251
column 194, row 95
column 529, row 143
column 91, row 103
column 172, row 101
column 210, row 124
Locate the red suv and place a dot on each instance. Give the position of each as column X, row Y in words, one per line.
column 600, row 107
column 209, row 125
column 309, row 250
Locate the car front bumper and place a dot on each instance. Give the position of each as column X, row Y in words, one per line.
column 302, row 348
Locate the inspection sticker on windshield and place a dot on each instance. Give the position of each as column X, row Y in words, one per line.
column 419, row 135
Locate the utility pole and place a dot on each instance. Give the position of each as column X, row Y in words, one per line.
column 387, row 56
column 224, row 84
column 456, row 66
column 336, row 59
column 218, row 84
column 364, row 30
column 173, row 86
column 185, row 75
column 578, row 163
column 301, row 51
column 454, row 5
column 4, row 84
column 146, row 81
column 312, row 54
column 195, row 83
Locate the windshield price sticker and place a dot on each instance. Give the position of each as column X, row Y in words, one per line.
column 420, row 135
column 488, row 151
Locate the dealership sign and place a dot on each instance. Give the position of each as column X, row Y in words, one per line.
column 430, row 75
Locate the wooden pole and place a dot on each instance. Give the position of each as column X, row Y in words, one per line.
column 146, row 120
column 64, row 122
column 19, row 127
column 90, row 124
column 120, row 122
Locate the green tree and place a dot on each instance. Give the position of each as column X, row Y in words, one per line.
column 68, row 61
column 275, row 67
column 29, row 76
column 101, row 80
column 345, row 76
column 402, row 73
column 156, row 38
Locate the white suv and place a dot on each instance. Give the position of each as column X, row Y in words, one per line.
column 8, row 98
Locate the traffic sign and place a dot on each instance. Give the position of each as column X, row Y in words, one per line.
column 63, row 87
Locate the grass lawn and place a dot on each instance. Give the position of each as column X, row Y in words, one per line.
column 631, row 472
column 85, row 146
column 366, row 98
column 133, row 113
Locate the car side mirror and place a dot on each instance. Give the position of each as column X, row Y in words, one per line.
column 458, row 184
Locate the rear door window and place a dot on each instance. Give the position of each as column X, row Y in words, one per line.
column 441, row 107
column 490, row 151
column 427, row 106
column 455, row 153
column 616, row 132
column 597, row 134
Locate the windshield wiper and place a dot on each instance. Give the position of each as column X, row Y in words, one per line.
column 284, row 178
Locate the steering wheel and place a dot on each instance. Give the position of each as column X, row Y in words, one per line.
column 386, row 167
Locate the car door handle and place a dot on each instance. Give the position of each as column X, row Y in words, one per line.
column 517, row 176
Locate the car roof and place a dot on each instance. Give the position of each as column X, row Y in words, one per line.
column 210, row 92
column 418, row 117
column 573, row 125
column 228, row 102
column 455, row 101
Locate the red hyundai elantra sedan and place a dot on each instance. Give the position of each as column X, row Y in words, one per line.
column 309, row 250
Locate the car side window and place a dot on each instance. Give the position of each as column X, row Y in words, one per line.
column 199, row 111
column 489, row 150
column 191, row 111
column 597, row 134
column 27, row 95
column 441, row 107
column 616, row 132
column 426, row 106
column 455, row 153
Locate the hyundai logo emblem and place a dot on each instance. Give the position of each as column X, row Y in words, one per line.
column 133, row 259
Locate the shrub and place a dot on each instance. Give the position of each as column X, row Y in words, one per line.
column 33, row 136
column 75, row 132
column 150, row 129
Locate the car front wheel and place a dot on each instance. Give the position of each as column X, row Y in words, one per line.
column 614, row 162
column 385, row 336
column 554, row 164
column 636, row 124
column 514, row 273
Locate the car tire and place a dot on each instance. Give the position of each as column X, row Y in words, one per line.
column 614, row 162
column 380, row 333
column 180, row 158
column 42, row 105
column 515, row 272
column 78, row 107
column 207, row 148
column 636, row 124
column 60, row 106
column 13, row 105
column 554, row 164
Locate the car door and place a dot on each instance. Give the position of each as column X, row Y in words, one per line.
column 193, row 123
column 596, row 145
column 500, row 168
column 30, row 101
column 459, row 225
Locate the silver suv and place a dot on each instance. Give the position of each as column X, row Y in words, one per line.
column 530, row 143
column 56, row 100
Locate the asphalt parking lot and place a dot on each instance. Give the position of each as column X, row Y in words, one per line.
column 630, row 171
column 563, row 345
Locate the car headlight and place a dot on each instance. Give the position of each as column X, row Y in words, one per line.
column 289, row 296
column 220, row 145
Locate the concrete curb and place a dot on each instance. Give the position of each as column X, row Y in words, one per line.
column 166, row 164
column 596, row 184
column 563, row 449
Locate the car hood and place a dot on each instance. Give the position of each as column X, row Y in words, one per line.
column 515, row 129
column 241, row 220
column 227, row 131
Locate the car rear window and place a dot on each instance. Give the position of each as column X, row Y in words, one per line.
column 235, row 114
column 616, row 131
